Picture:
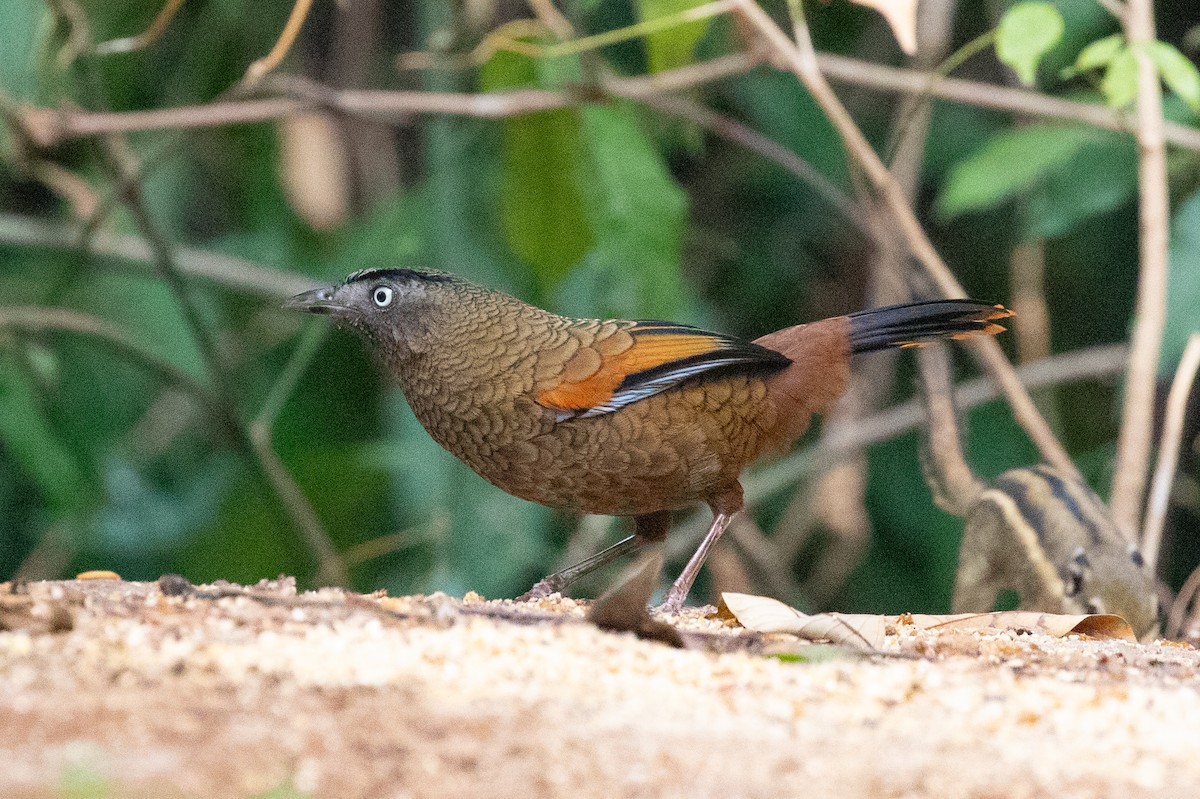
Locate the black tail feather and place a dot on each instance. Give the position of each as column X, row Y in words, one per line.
column 911, row 324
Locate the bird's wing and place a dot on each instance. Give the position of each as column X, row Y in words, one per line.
column 642, row 360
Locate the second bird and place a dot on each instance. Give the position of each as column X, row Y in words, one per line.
column 627, row 418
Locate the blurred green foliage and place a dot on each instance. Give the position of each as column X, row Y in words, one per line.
column 606, row 209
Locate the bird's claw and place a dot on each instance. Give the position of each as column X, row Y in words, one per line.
column 541, row 589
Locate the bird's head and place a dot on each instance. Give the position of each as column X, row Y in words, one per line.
column 389, row 307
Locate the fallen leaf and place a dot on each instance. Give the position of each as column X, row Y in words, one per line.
column 861, row 632
column 1097, row 625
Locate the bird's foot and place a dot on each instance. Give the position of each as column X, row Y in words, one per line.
column 542, row 589
column 672, row 603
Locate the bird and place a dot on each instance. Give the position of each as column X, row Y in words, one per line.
column 635, row 418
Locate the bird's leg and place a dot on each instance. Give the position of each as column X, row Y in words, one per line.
column 648, row 527
column 724, row 508
column 555, row 583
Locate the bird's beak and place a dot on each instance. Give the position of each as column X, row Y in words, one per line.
column 316, row 301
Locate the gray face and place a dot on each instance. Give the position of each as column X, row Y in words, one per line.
column 385, row 306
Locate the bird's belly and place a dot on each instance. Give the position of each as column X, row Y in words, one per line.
column 661, row 453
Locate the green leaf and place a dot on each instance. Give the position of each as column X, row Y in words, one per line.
column 26, row 434
column 1010, row 163
column 1101, row 176
column 541, row 209
column 638, row 210
column 1183, row 282
column 675, row 46
column 773, row 106
column 1027, row 32
column 27, row 24
column 1180, row 74
column 1119, row 85
column 1096, row 55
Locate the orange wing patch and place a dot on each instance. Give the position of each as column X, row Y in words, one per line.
column 662, row 356
column 649, row 351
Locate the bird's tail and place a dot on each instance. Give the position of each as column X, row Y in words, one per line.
column 911, row 324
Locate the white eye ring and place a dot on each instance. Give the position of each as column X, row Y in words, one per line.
column 382, row 296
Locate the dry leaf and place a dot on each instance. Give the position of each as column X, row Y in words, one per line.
column 98, row 574
column 901, row 16
column 623, row 608
column 1096, row 625
column 765, row 615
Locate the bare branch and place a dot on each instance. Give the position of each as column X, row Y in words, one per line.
column 1168, row 451
column 1154, row 215
column 130, row 192
column 552, row 18
column 233, row 273
column 800, row 58
column 48, row 127
column 752, row 140
column 147, row 37
column 38, row 320
column 291, row 29
column 1178, row 620
column 986, row 95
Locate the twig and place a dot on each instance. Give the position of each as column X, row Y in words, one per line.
column 37, row 319
column 552, row 18
column 233, row 273
column 835, row 500
column 330, row 568
column 381, row 546
column 511, row 37
column 285, row 384
column 951, row 481
column 752, row 140
column 1137, row 419
column 48, row 127
column 121, row 164
column 869, row 75
column 800, row 58
column 146, row 37
column 131, row 195
column 1178, row 618
column 49, row 558
column 27, row 319
column 1168, row 451
column 763, row 555
column 258, row 70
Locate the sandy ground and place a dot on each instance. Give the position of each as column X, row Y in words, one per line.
column 112, row 689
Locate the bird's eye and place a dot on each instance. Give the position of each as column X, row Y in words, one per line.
column 382, row 296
